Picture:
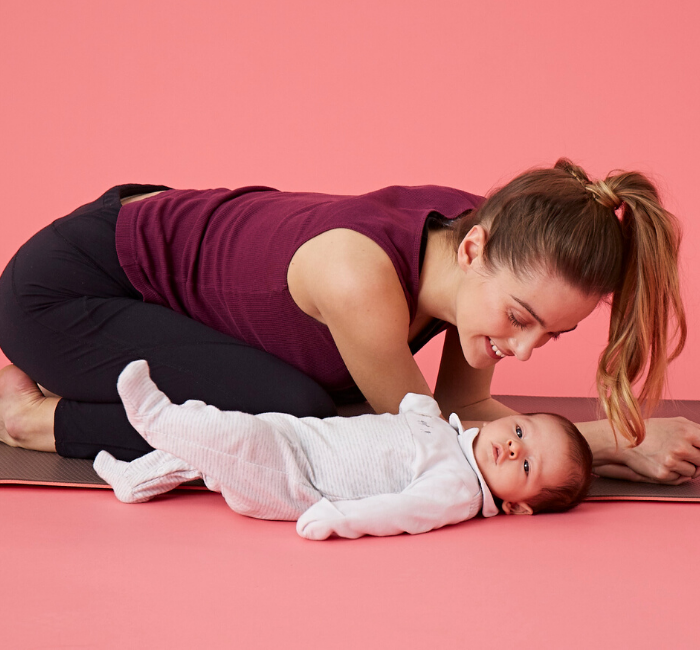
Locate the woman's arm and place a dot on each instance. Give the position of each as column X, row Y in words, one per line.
column 464, row 390
column 347, row 282
column 669, row 454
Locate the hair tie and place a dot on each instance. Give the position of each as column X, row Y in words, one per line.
column 600, row 190
column 603, row 193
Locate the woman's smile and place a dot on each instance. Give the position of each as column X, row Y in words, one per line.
column 492, row 350
column 496, row 349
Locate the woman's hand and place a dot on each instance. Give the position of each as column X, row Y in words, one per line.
column 670, row 454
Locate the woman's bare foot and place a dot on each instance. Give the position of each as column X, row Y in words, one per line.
column 26, row 416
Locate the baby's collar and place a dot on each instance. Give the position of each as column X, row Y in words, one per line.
column 466, row 442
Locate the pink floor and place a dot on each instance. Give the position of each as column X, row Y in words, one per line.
column 81, row 570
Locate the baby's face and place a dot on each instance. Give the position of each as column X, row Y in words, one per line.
column 520, row 454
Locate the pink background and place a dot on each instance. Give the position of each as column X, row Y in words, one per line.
column 185, row 572
column 340, row 96
column 349, row 97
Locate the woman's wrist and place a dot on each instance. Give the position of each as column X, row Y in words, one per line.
column 477, row 413
column 606, row 448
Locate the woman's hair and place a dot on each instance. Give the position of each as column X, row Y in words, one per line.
column 578, row 481
column 606, row 238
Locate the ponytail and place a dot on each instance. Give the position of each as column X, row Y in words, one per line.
column 646, row 311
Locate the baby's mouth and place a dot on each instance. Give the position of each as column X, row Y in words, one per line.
column 496, row 454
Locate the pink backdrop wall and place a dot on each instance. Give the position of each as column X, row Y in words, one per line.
column 348, row 97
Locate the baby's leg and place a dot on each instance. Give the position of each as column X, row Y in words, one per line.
column 143, row 401
column 142, row 479
column 256, row 465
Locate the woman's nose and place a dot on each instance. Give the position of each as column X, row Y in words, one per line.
column 525, row 344
column 523, row 347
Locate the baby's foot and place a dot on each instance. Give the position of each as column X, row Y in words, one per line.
column 114, row 472
column 144, row 478
column 26, row 415
column 141, row 397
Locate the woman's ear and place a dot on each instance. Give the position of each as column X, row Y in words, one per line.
column 519, row 508
column 471, row 247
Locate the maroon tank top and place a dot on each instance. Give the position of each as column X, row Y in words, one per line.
column 221, row 257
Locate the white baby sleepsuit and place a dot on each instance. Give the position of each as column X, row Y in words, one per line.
column 365, row 475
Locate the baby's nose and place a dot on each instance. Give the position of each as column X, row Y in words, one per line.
column 513, row 449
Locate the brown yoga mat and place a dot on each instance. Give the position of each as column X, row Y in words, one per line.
column 581, row 409
column 23, row 467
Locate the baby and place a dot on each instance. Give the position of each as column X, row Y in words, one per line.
column 366, row 475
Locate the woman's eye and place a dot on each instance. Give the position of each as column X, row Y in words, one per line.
column 526, row 465
column 515, row 321
column 518, row 431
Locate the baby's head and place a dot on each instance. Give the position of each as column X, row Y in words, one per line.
column 537, row 462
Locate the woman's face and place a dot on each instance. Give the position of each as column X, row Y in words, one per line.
column 499, row 315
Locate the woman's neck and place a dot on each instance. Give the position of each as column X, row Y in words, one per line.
column 439, row 277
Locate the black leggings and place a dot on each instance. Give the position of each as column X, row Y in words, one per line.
column 70, row 319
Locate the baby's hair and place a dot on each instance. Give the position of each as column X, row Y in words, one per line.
column 564, row 497
column 610, row 238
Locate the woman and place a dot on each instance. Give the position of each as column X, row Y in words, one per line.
column 258, row 300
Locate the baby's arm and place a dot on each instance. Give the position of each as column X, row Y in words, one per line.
column 145, row 477
column 433, row 501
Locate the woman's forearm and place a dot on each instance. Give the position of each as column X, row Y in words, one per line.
column 599, row 435
column 486, row 410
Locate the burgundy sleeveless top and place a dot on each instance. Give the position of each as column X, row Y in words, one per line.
column 221, row 257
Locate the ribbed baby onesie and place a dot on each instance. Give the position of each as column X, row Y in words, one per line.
column 370, row 474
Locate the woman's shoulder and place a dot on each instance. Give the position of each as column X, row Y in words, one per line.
column 341, row 269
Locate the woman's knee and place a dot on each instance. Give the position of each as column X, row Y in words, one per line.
column 315, row 402
column 301, row 397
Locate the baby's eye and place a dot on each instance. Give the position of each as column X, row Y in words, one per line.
column 518, row 431
column 526, row 466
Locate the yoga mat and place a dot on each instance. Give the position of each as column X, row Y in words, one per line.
column 24, row 467
column 581, row 409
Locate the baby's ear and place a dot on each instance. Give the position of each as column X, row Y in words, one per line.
column 518, row 508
